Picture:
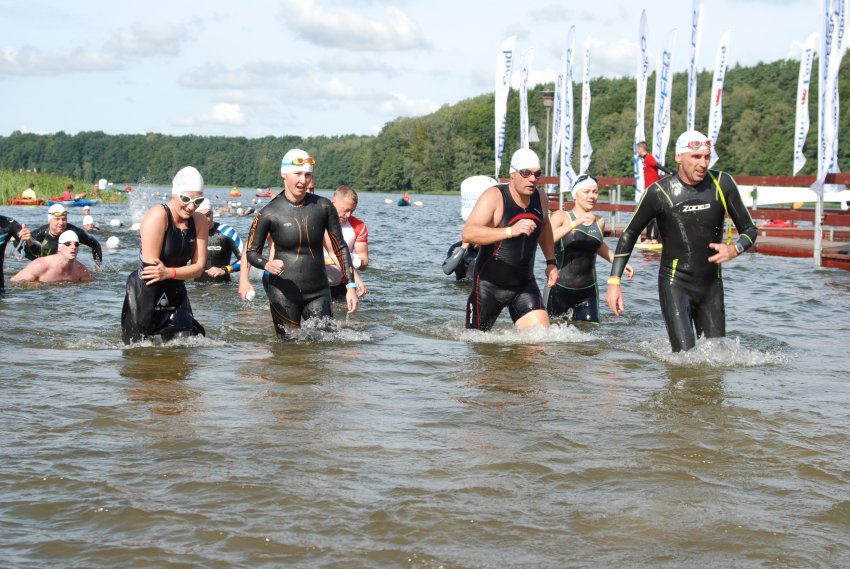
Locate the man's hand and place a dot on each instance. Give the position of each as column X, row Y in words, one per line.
column 724, row 252
column 614, row 298
column 215, row 272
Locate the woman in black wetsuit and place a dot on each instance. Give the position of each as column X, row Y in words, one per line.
column 296, row 221
column 174, row 250
column 578, row 239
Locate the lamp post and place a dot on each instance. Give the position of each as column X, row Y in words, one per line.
column 548, row 103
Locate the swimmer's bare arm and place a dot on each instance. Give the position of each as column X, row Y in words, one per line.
column 32, row 271
column 245, row 276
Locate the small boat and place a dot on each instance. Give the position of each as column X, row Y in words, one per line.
column 25, row 201
column 72, row 203
column 404, row 202
column 779, row 223
column 267, row 193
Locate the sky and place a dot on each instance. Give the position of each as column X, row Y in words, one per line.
column 329, row 67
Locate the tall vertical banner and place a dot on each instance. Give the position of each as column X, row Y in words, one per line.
column 504, row 64
column 567, row 174
column 801, row 125
column 832, row 16
column 586, row 148
column 663, row 93
column 525, row 65
column 640, row 97
column 715, row 111
column 696, row 39
column 558, row 117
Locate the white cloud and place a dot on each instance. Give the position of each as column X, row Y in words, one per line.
column 348, row 29
column 215, row 76
column 402, row 106
column 221, row 114
column 31, row 61
column 351, row 63
column 148, row 40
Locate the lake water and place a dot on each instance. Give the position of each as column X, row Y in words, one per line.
column 399, row 439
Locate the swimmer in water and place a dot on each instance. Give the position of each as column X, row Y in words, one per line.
column 578, row 238
column 61, row 266
column 174, row 250
column 46, row 237
column 223, row 243
column 296, row 221
column 11, row 228
column 690, row 207
column 508, row 223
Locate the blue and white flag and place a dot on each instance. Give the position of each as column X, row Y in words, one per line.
column 567, row 174
column 586, row 148
column 525, row 65
column 833, row 13
column 663, row 93
column 640, row 133
column 504, row 64
column 696, row 39
column 715, row 112
column 554, row 158
column 801, row 125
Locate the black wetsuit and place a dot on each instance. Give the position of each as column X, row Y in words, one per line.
column 504, row 271
column 576, row 288
column 690, row 288
column 49, row 244
column 301, row 291
column 460, row 261
column 223, row 244
column 8, row 228
column 162, row 308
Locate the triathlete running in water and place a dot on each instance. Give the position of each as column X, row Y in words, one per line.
column 356, row 238
column 174, row 250
column 578, row 239
column 690, row 208
column 223, row 244
column 297, row 221
column 508, row 223
column 46, row 237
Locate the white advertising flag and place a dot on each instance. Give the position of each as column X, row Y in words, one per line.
column 663, row 93
column 586, row 148
column 640, row 133
column 523, row 97
column 715, row 111
column 801, row 128
column 554, row 157
column 504, row 64
column 567, row 174
column 696, row 39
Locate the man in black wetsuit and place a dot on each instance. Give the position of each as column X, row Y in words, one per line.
column 223, row 244
column 508, row 223
column 297, row 220
column 11, row 228
column 689, row 207
column 47, row 236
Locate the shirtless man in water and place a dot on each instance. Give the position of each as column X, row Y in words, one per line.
column 62, row 266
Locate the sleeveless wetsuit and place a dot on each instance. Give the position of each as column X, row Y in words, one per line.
column 301, row 290
column 49, row 244
column 8, row 228
column 222, row 244
column 162, row 309
column 690, row 288
column 504, row 272
column 576, row 288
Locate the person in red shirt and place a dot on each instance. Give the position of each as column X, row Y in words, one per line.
column 650, row 176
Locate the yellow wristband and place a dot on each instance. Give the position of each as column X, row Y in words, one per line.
column 613, row 280
column 509, row 232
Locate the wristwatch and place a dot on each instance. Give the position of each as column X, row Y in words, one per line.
column 738, row 247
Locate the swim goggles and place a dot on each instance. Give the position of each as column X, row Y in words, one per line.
column 59, row 214
column 527, row 173
column 184, row 199
column 299, row 162
column 694, row 144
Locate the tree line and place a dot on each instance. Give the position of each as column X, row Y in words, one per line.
column 434, row 153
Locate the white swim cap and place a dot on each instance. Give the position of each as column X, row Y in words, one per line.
column 136, row 226
column 68, row 236
column 524, row 159
column 584, row 181
column 239, row 211
column 88, row 220
column 205, row 206
column 115, row 222
column 296, row 160
column 188, row 179
column 56, row 210
column 112, row 242
column 691, row 141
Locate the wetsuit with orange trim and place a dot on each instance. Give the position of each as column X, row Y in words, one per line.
column 504, row 271
column 576, row 289
column 690, row 288
column 301, row 291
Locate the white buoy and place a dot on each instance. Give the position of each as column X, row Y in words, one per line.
column 115, row 222
column 420, row 204
column 136, row 226
column 388, row 200
column 113, row 242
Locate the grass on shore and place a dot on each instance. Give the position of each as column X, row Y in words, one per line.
column 12, row 184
